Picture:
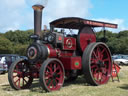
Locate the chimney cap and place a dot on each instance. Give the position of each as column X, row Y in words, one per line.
column 37, row 7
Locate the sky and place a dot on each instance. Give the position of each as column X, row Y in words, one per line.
column 18, row 14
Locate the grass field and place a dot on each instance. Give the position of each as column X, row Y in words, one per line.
column 77, row 88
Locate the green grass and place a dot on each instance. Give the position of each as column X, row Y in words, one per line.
column 77, row 88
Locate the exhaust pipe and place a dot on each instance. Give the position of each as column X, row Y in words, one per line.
column 37, row 19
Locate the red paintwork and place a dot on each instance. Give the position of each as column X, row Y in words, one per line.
column 52, row 52
column 85, row 39
column 69, row 43
column 69, row 62
column 66, row 53
column 99, row 24
column 115, row 70
column 55, row 53
column 59, row 38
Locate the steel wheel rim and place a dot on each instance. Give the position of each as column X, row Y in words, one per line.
column 100, row 65
column 53, row 76
column 21, row 75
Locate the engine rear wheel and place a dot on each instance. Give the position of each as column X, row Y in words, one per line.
column 51, row 75
column 19, row 75
column 97, row 63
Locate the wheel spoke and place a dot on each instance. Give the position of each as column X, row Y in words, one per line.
column 103, row 77
column 104, row 74
column 51, row 82
column 101, row 56
column 49, row 68
column 104, row 60
column 94, row 61
column 59, row 73
column 95, row 71
column 94, row 54
column 58, row 79
column 55, row 67
column 19, row 83
column 52, row 85
column 103, row 51
column 98, row 54
column 25, row 80
column 47, row 77
column 16, row 80
column 98, row 76
column 46, row 72
column 93, row 66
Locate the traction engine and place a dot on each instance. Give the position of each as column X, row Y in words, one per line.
column 56, row 57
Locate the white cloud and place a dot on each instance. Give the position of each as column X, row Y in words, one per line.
column 32, row 2
column 67, row 8
column 11, row 14
column 18, row 14
column 120, row 22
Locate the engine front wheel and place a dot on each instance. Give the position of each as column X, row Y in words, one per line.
column 51, row 75
column 19, row 75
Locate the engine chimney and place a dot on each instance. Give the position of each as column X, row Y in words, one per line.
column 37, row 19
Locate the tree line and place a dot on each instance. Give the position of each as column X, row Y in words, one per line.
column 16, row 42
column 117, row 42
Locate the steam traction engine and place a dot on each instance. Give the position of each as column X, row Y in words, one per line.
column 57, row 56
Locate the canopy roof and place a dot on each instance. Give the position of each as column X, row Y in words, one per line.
column 77, row 23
